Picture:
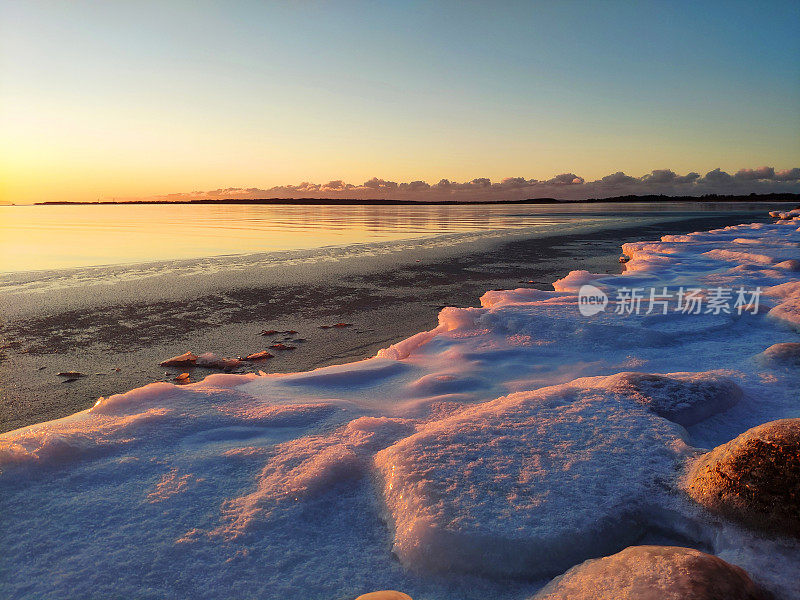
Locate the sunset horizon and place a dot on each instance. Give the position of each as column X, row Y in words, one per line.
column 103, row 102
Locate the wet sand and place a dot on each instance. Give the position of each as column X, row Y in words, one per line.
column 118, row 344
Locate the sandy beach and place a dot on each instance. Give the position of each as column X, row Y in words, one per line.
column 116, row 331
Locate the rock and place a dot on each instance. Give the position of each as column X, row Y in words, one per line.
column 71, row 374
column 182, row 378
column 263, row 355
column 786, row 354
column 342, row 325
column 280, row 346
column 753, row 479
column 70, row 380
column 269, row 332
column 384, row 595
column 624, row 259
column 290, row 332
column 212, row 361
column 654, row 573
column 186, row 359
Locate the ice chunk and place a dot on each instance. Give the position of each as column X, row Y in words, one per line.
column 528, row 484
column 65, row 440
column 212, row 361
column 654, row 573
column 574, row 280
column 686, row 398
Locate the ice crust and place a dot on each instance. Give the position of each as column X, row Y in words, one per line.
column 510, row 443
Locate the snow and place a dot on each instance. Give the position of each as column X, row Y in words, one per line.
column 526, row 485
column 508, row 444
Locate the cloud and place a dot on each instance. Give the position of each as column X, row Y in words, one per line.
column 618, row 178
column 788, row 175
column 566, row 179
column 566, row 186
column 380, row 184
column 717, row 176
column 688, row 178
column 415, row 186
column 759, row 173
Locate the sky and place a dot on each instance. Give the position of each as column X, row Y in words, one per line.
column 104, row 100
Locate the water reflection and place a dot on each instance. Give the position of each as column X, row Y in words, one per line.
column 49, row 237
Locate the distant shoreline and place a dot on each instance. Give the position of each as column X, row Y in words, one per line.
column 775, row 197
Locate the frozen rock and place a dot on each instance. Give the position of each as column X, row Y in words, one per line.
column 528, row 484
column 654, row 573
column 785, row 354
column 754, row 479
column 187, row 359
column 212, row 361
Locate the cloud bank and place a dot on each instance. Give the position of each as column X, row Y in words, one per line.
column 565, row 186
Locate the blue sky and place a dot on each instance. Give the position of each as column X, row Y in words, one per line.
column 138, row 98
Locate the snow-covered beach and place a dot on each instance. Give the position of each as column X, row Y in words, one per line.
column 480, row 459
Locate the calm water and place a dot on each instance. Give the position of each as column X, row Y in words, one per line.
column 55, row 237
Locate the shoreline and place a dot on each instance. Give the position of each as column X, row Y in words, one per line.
column 126, row 327
column 654, row 198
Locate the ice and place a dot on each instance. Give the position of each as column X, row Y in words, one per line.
column 506, row 445
column 786, row 354
column 526, row 485
column 212, row 361
column 685, row 398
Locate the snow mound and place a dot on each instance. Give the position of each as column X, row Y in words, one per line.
column 526, row 485
column 754, row 479
column 654, row 573
column 785, row 354
column 308, row 466
column 574, row 280
column 685, row 398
